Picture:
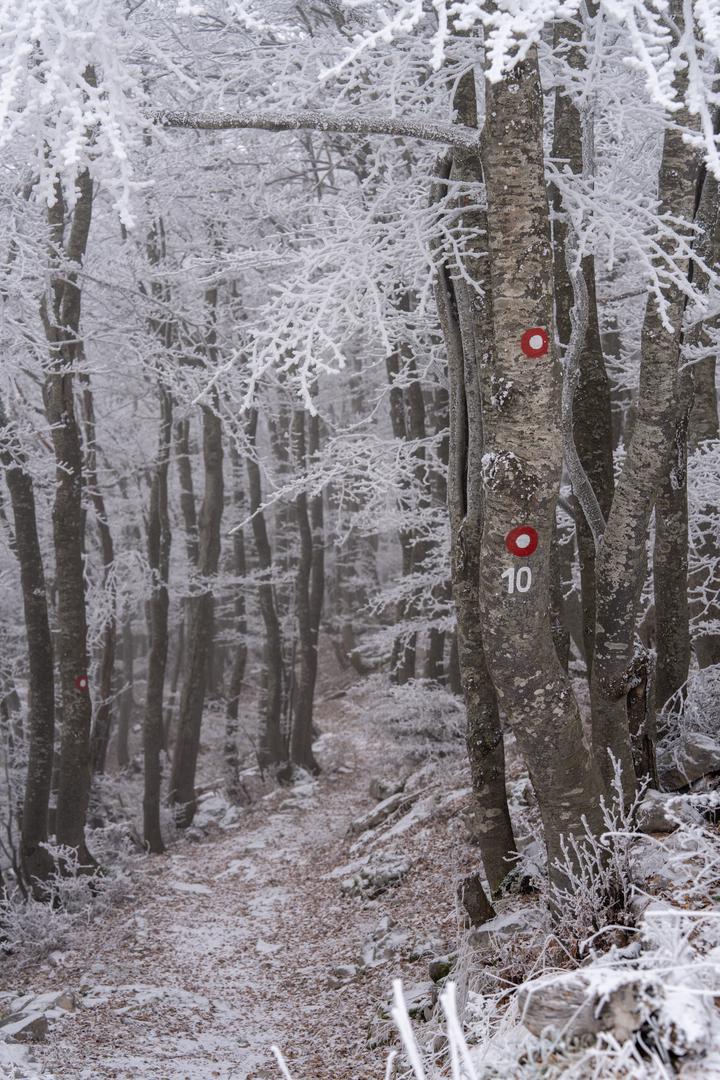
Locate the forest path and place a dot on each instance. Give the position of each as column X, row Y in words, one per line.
column 226, row 944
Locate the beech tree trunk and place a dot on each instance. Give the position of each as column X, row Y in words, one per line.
column 465, row 318
column 621, row 557
column 61, row 309
column 703, row 425
column 523, row 460
column 100, row 736
column 301, row 737
column 199, row 609
column 125, row 707
column 592, row 415
column 239, row 662
column 159, row 540
column 36, row 862
column 271, row 745
column 402, row 662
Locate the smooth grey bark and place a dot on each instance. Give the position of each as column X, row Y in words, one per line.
column 159, row 539
column 523, row 461
column 591, row 405
column 35, row 859
column 466, row 321
column 61, row 311
column 703, row 419
column 271, row 744
column 670, row 561
column 620, row 567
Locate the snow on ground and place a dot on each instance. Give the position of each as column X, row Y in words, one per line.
column 246, row 938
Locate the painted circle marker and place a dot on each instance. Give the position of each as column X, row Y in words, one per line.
column 535, row 342
column 521, row 541
column 81, row 682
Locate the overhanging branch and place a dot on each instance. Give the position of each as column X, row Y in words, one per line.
column 317, row 120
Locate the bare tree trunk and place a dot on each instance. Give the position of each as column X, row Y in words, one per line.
column 317, row 575
column 61, row 319
column 522, row 465
column 36, row 862
column 159, row 540
column 592, row 417
column 179, row 660
column 621, row 556
column 100, row 735
column 187, row 491
column 307, row 615
column 402, row 663
column 271, row 748
column 670, row 561
column 435, row 656
column 703, row 422
column 239, row 663
column 467, row 328
column 126, row 703
column 199, row 610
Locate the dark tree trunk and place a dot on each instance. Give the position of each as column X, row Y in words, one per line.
column 61, row 318
column 37, row 863
column 126, row 703
column 402, row 663
column 100, row 736
column 199, row 608
column 592, row 417
column 239, row 662
column 620, row 567
column 271, row 748
column 159, row 541
column 302, row 737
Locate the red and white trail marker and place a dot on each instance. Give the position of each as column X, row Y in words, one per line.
column 521, row 541
column 81, row 682
column 535, row 342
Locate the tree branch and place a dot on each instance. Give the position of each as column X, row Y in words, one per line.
column 317, row 120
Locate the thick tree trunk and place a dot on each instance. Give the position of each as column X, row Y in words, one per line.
column 271, row 745
column 61, row 318
column 199, row 608
column 465, row 318
column 36, row 862
column 522, row 464
column 703, row 426
column 159, row 540
column 620, row 567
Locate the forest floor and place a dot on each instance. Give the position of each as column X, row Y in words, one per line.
column 227, row 943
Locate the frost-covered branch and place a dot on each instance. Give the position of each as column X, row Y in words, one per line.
column 318, row 120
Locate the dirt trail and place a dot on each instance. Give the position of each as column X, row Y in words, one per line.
column 226, row 944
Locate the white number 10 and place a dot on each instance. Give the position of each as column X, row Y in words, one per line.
column 518, row 580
